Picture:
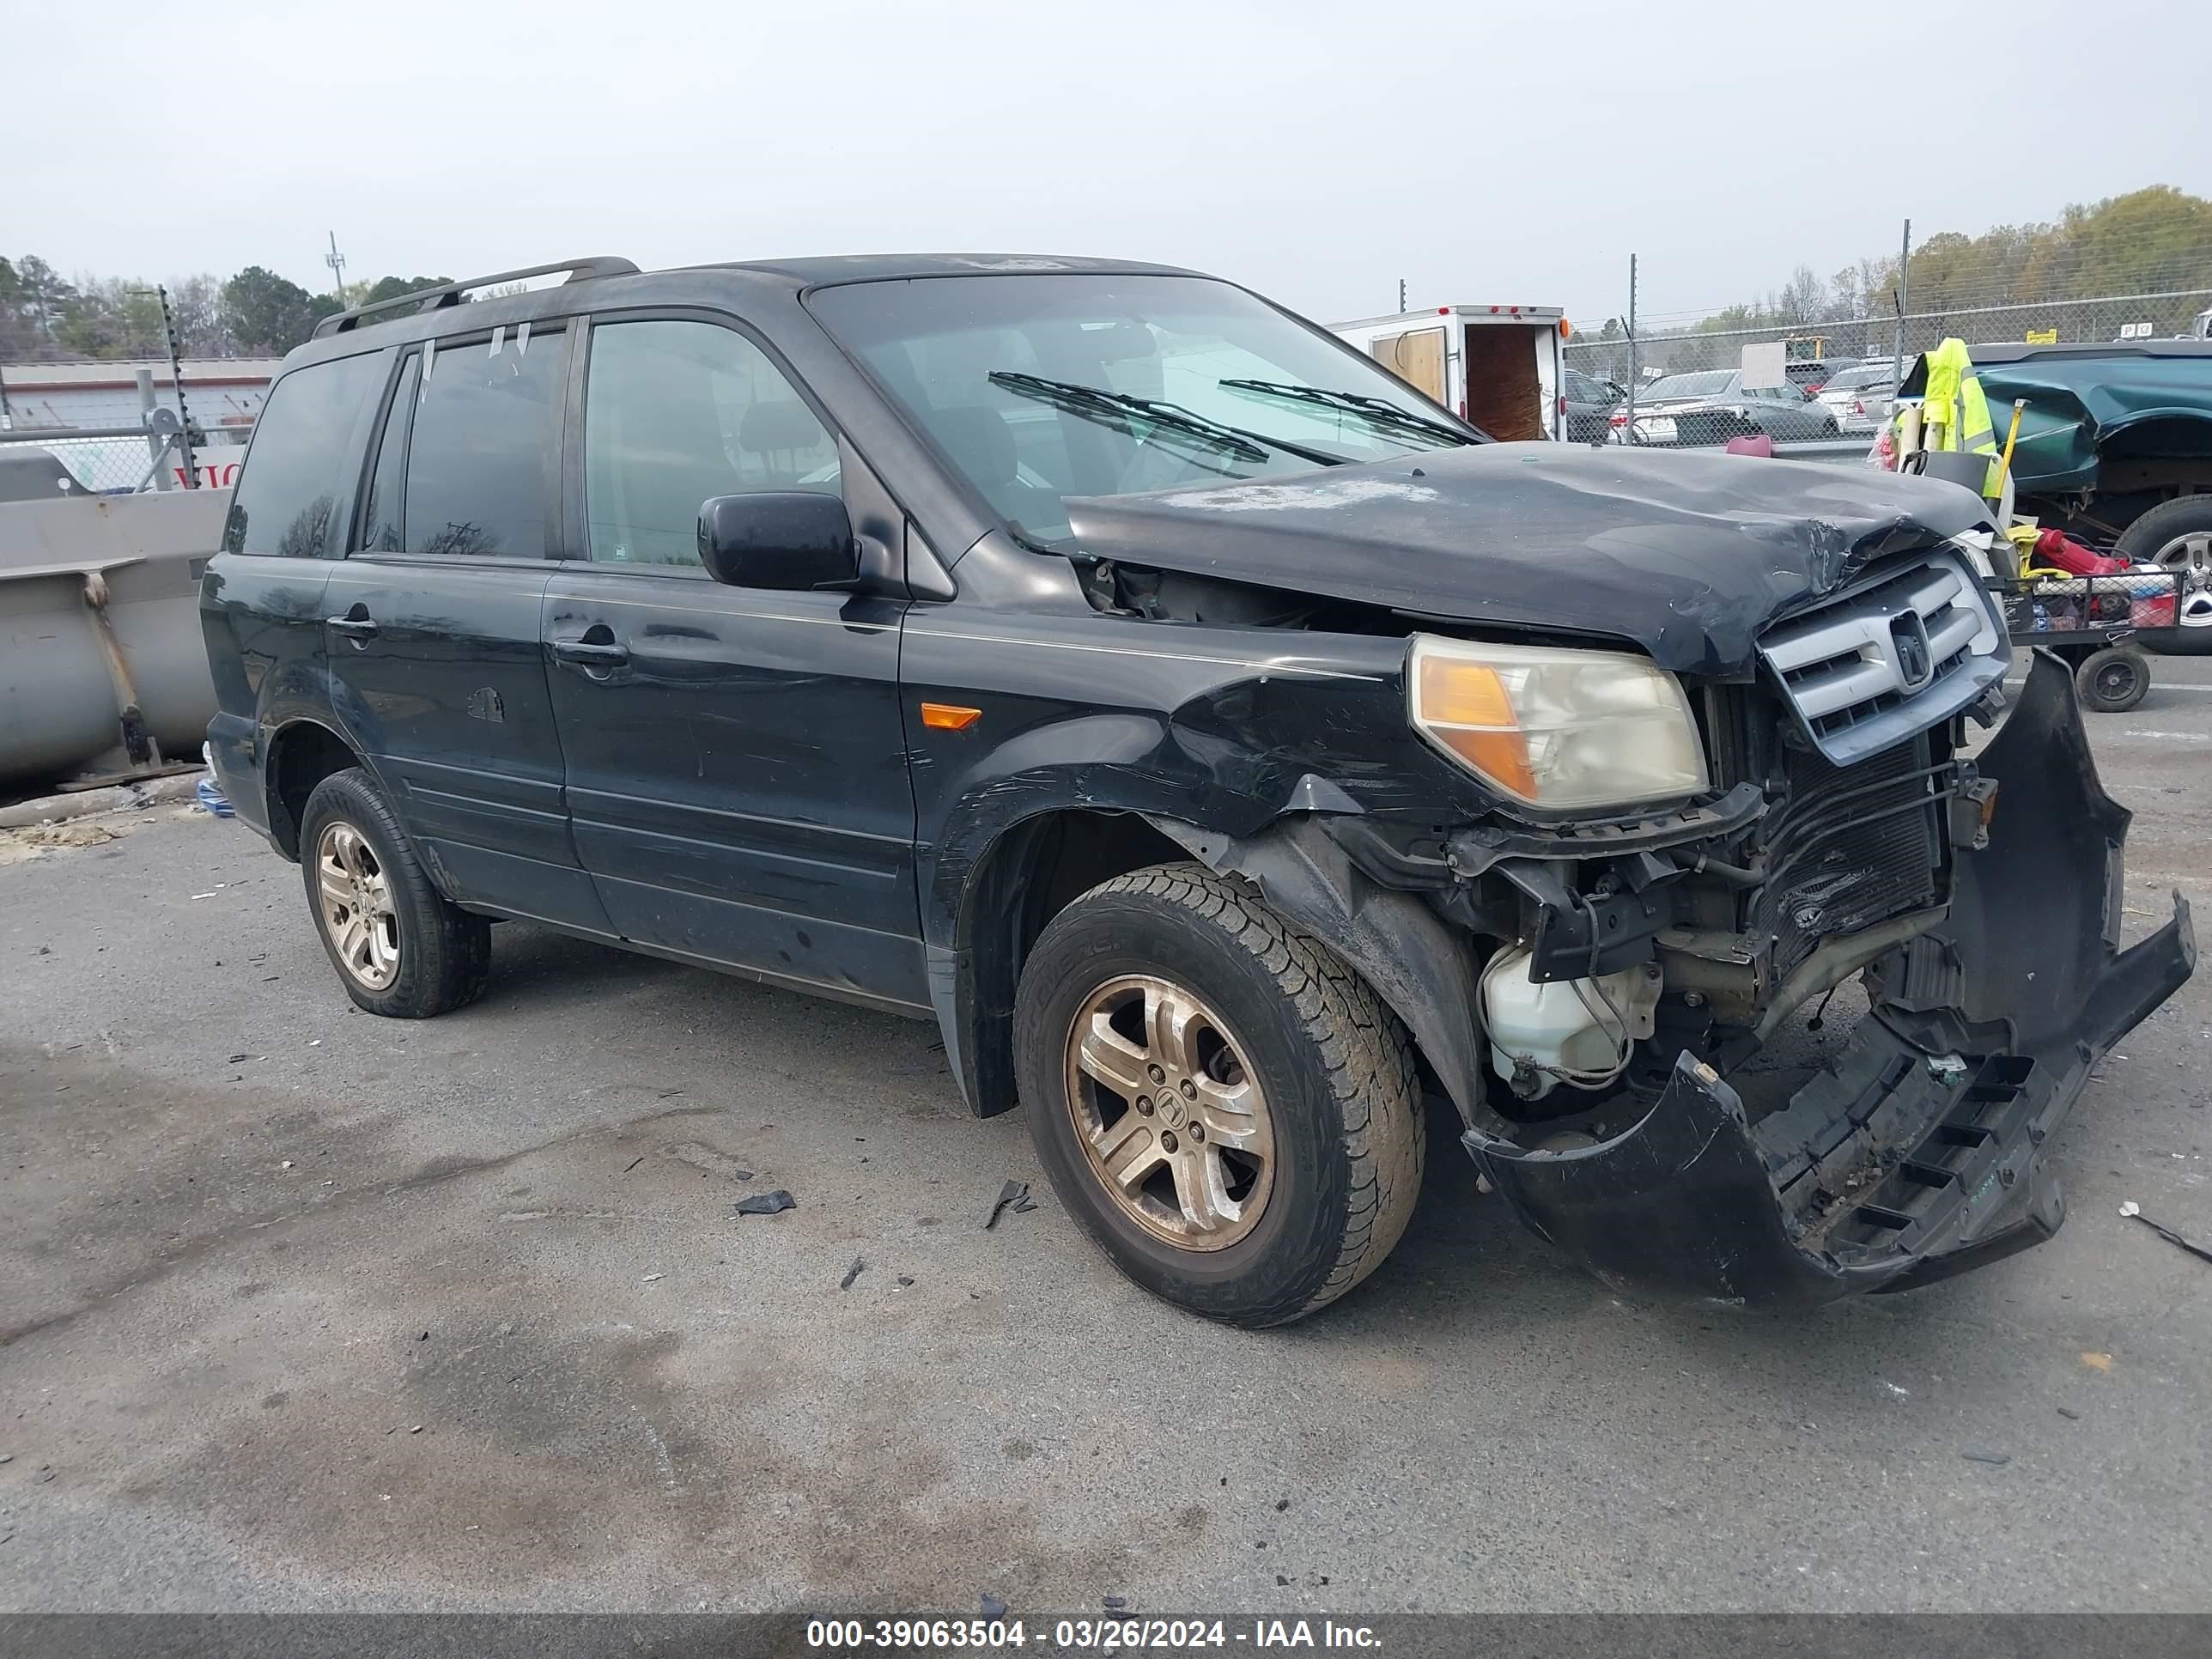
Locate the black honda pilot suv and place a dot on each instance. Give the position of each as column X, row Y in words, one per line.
column 1231, row 750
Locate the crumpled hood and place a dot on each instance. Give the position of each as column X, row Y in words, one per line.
column 1689, row 556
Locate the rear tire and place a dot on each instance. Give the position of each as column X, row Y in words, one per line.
column 1306, row 1185
column 2177, row 536
column 2113, row 680
column 400, row 949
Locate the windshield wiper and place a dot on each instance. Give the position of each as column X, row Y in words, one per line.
column 1376, row 411
column 1119, row 408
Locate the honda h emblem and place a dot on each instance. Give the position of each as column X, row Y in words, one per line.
column 1908, row 639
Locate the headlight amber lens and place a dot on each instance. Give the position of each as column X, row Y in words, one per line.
column 1556, row 728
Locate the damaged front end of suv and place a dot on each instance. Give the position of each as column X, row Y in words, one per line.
column 1686, row 844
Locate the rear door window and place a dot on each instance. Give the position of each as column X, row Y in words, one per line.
column 480, row 454
column 287, row 499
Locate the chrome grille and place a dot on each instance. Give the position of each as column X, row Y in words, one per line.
column 1889, row 658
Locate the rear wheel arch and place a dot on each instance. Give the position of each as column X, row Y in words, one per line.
column 300, row 755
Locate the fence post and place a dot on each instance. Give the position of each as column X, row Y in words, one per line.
column 156, row 445
column 1628, row 431
column 1904, row 294
column 177, row 374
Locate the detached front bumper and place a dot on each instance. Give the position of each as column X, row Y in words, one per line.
column 1918, row 1153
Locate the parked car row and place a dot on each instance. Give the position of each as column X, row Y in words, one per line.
column 1712, row 405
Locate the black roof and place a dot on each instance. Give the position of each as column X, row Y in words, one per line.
column 823, row 270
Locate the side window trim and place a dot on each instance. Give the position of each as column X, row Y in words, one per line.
column 575, row 546
column 373, row 452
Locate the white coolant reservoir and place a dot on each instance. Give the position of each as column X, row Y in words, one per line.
column 1563, row 1031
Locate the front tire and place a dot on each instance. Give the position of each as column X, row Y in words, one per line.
column 401, row 949
column 1226, row 1108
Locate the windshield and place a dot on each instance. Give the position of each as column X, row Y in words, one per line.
column 1038, row 387
column 1690, row 385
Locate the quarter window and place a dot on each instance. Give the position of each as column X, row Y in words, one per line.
column 676, row 413
column 479, row 455
column 288, row 492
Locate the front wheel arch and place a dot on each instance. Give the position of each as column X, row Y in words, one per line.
column 1421, row 970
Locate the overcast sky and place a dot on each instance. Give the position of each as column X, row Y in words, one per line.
column 1317, row 152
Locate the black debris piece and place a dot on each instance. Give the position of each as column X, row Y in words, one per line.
column 1995, row 1459
column 633, row 1163
column 905, row 1283
column 1014, row 1193
column 1280, row 1581
column 1112, row 1603
column 2202, row 1252
column 240, row 1060
column 1281, row 1504
column 425, row 1337
column 1261, row 1545
column 851, row 1274
column 993, row 1607
column 1323, row 1579
column 2069, row 1414
column 767, row 1203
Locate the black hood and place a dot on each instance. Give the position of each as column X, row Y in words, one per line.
column 1689, row 556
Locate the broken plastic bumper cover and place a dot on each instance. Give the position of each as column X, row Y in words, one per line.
column 1918, row 1153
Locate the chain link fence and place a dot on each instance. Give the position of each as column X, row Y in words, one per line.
column 113, row 461
column 1837, row 375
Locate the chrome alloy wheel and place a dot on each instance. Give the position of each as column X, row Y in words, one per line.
column 2189, row 556
column 355, row 897
column 1173, row 1123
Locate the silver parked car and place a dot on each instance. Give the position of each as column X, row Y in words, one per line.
column 1712, row 405
column 1859, row 398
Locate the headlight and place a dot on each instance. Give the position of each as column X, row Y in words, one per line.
column 1556, row 728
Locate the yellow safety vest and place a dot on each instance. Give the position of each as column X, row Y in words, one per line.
column 1955, row 414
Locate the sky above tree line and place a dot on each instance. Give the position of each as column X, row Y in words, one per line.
column 1316, row 152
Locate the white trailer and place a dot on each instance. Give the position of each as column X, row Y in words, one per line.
column 1497, row 366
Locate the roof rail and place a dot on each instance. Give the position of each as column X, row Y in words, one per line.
column 449, row 293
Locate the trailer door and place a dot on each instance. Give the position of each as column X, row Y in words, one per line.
column 1416, row 357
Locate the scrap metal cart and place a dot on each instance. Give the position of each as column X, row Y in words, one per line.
column 2102, row 627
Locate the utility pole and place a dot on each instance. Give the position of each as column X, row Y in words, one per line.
column 335, row 261
column 1628, row 431
column 1401, row 296
column 1902, row 294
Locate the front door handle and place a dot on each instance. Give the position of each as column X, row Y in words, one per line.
column 591, row 653
column 362, row 627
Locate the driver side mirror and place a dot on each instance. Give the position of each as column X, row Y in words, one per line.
column 785, row 539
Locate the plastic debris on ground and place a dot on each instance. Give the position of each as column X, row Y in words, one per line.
column 767, row 1203
column 1014, row 1195
column 2133, row 1211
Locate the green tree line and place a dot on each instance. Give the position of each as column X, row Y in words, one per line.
column 45, row 317
column 2157, row 240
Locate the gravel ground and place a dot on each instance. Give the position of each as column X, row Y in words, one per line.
column 300, row 1309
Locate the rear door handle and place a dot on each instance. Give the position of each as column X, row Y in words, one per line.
column 590, row 654
column 354, row 628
